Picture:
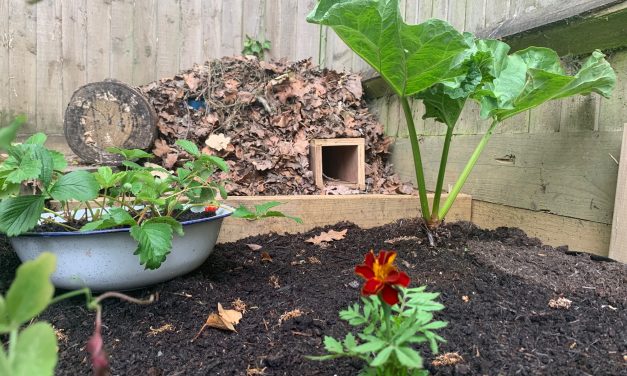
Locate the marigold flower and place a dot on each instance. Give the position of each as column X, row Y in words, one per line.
column 381, row 275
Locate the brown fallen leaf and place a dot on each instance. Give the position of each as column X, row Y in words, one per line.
column 225, row 319
column 290, row 315
column 448, row 359
column 254, row 247
column 314, row 260
column 239, row 305
column 560, row 303
column 218, row 141
column 465, row 299
column 265, row 257
column 255, row 371
column 163, row 328
column 274, row 281
column 328, row 236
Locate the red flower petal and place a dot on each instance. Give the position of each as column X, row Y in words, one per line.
column 371, row 287
column 364, row 271
column 369, row 261
column 382, row 257
column 403, row 279
column 389, row 295
column 389, row 257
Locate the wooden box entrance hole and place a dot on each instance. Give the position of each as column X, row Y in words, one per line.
column 338, row 161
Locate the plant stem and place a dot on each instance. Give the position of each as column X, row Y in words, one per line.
column 438, row 187
column 12, row 344
column 84, row 291
column 387, row 313
column 466, row 172
column 415, row 148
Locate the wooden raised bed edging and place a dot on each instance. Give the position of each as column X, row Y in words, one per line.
column 366, row 211
column 618, row 242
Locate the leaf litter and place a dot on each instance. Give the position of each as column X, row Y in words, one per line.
column 225, row 319
column 261, row 116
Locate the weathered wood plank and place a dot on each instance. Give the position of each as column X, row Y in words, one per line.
column 497, row 12
column 418, row 11
column 98, row 40
column 364, row 210
column 168, row 37
column 457, row 13
column 307, row 34
column 551, row 229
column 546, row 118
column 74, row 36
column 440, row 9
column 23, row 62
column 49, row 67
column 565, row 173
column 603, row 30
column 253, row 19
column 578, row 113
column 550, row 12
column 144, row 42
column 475, row 15
column 212, row 29
column 5, row 43
column 122, row 40
column 618, row 242
column 516, row 124
column 613, row 111
column 231, row 28
column 191, row 34
column 281, row 27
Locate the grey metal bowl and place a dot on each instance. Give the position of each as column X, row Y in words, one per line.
column 103, row 260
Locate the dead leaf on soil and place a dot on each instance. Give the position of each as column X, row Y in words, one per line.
column 161, row 329
column 218, row 141
column 255, row 371
column 560, row 303
column 254, row 247
column 225, row 319
column 239, row 305
column 290, row 315
column 61, row 337
column 314, row 260
column 274, row 281
column 265, row 257
column 465, row 298
column 448, row 359
column 328, row 236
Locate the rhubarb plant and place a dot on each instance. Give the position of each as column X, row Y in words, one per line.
column 445, row 68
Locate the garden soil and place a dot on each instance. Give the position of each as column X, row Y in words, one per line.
column 496, row 286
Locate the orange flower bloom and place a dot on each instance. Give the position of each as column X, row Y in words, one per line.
column 381, row 276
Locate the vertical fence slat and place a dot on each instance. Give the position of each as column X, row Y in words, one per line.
column 212, row 30
column 440, row 9
column 49, row 67
column 253, row 20
column 475, row 15
column 281, row 27
column 23, row 62
column 231, row 31
column 98, row 40
column 457, row 13
column 144, row 41
column 74, row 41
column 122, row 40
column 496, row 13
column 5, row 41
column 168, row 33
column 307, row 34
column 191, row 34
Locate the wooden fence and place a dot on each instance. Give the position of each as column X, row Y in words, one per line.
column 49, row 50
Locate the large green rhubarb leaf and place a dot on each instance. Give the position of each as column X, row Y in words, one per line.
column 20, row 214
column 534, row 75
column 411, row 58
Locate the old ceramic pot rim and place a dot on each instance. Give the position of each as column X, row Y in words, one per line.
column 223, row 211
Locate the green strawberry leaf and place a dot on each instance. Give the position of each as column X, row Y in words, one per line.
column 35, row 351
column 77, row 185
column 20, row 214
column 154, row 243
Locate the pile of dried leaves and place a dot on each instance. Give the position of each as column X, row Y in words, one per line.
column 260, row 117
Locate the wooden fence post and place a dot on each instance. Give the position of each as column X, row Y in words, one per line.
column 618, row 242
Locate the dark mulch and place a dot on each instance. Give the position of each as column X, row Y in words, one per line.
column 505, row 327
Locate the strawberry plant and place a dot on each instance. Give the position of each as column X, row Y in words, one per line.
column 147, row 199
column 33, row 350
column 445, row 68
